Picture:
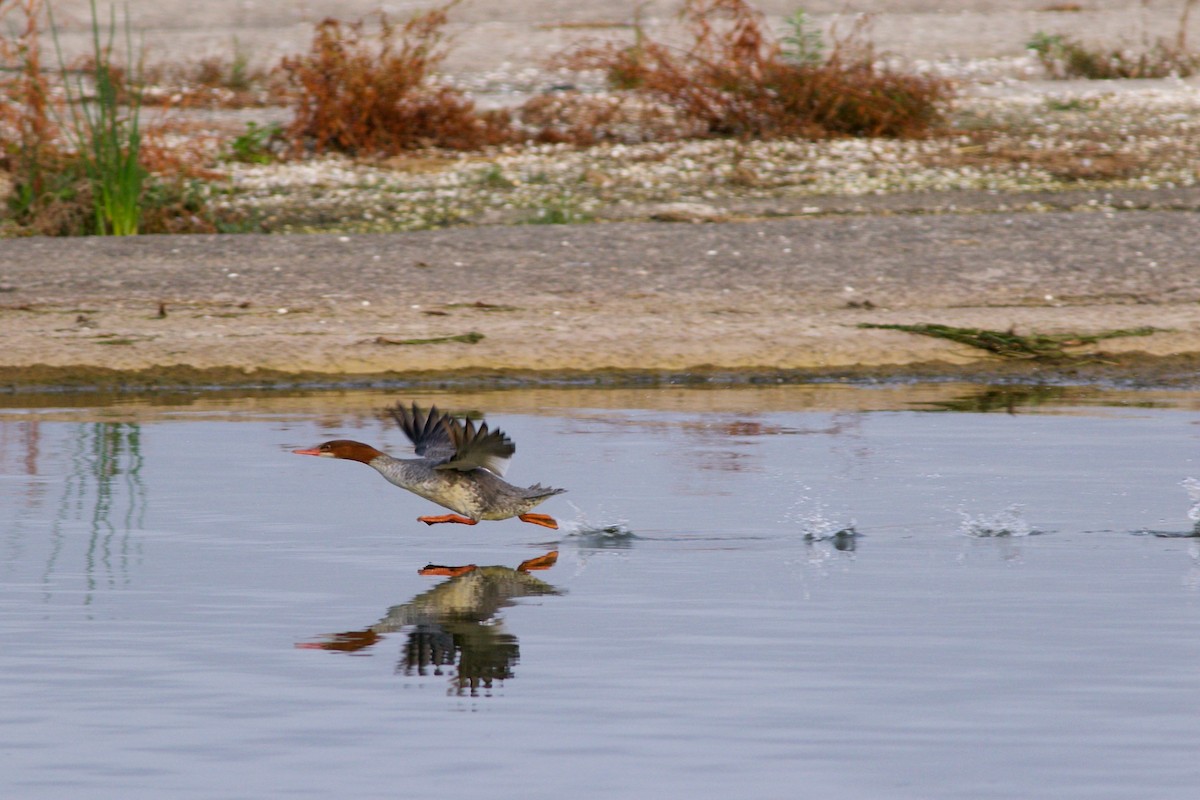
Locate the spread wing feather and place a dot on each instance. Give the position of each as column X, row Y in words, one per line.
column 427, row 432
column 455, row 443
column 478, row 447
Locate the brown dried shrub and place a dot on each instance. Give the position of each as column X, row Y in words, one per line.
column 374, row 95
column 733, row 80
column 27, row 131
column 48, row 188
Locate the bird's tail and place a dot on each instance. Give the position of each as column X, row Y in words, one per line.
column 539, row 492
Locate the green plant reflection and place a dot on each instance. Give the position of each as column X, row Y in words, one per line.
column 103, row 488
column 452, row 629
column 1008, row 399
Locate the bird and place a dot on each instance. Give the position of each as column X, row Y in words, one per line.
column 459, row 467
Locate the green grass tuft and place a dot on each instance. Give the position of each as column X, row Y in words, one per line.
column 1010, row 344
column 464, row 338
column 106, row 131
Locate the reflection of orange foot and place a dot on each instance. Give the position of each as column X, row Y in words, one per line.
column 541, row 562
column 447, row 518
column 345, row 642
column 453, row 572
column 545, row 520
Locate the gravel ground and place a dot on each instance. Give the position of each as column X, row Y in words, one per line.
column 1118, row 146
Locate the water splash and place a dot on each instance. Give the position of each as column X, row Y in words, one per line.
column 596, row 535
column 817, row 525
column 615, row 531
column 1191, row 580
column 1009, row 522
column 1192, row 487
column 830, row 543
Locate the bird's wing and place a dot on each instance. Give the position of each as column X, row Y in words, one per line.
column 477, row 447
column 427, row 431
column 452, row 443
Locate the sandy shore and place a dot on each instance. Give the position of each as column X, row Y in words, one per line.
column 775, row 299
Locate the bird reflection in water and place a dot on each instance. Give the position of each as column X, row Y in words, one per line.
column 451, row 626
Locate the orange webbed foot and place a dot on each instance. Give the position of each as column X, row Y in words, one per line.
column 345, row 642
column 453, row 572
column 447, row 518
column 545, row 520
column 541, row 562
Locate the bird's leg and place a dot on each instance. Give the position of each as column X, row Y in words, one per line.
column 447, row 518
column 545, row 520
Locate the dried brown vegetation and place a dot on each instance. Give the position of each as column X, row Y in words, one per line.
column 374, row 94
column 371, row 91
column 26, row 128
column 1064, row 57
column 49, row 187
column 733, row 80
column 1086, row 161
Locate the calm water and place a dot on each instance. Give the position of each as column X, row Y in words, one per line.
column 189, row 611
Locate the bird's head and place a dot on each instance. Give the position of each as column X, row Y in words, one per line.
column 342, row 448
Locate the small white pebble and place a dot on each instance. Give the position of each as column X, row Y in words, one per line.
column 711, row 253
column 366, row 302
column 1049, row 297
column 281, row 311
column 415, row 305
column 343, row 238
column 232, row 275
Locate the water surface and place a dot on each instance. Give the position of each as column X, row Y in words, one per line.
column 187, row 610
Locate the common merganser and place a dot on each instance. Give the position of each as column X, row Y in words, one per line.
column 459, row 468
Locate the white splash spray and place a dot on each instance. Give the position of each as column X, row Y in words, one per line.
column 815, row 523
column 1008, row 522
column 1192, row 487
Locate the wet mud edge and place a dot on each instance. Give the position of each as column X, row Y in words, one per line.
column 1127, row 369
